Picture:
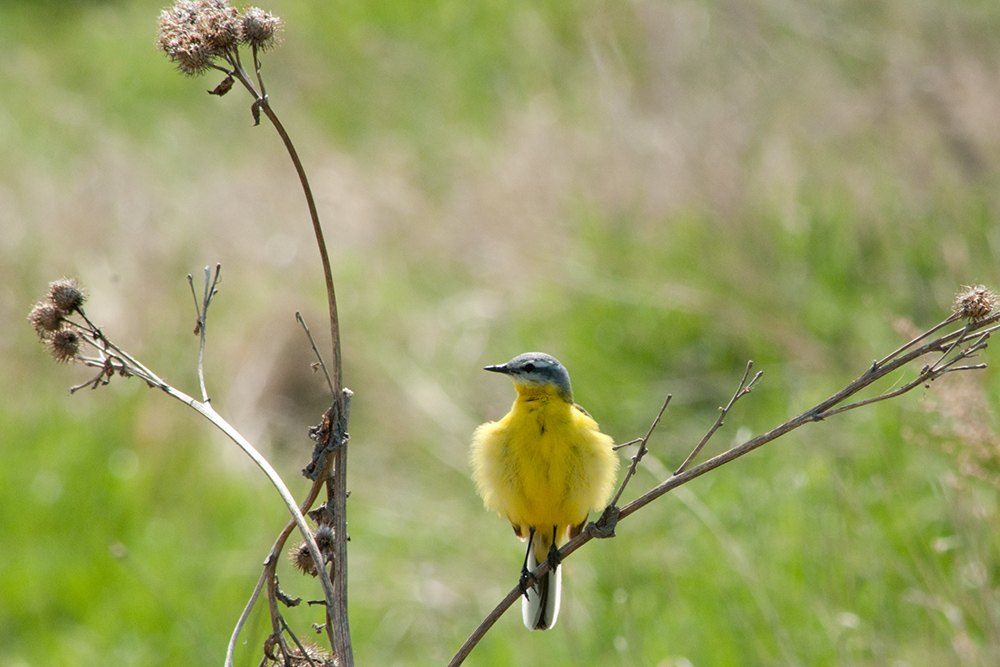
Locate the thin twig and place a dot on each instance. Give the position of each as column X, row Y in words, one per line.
column 743, row 390
column 928, row 374
column 302, row 649
column 953, row 317
column 201, row 309
column 954, row 343
column 816, row 413
column 623, row 445
column 337, row 378
column 639, row 453
column 256, row 67
column 319, row 357
column 489, row 621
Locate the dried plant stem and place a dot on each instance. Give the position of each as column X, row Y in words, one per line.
column 206, row 410
column 337, row 482
column 337, row 366
column 937, row 327
column 113, row 360
column 270, row 568
column 826, row 409
column 319, row 357
column 262, row 103
column 338, row 485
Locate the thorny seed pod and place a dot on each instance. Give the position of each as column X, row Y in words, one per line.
column 46, row 318
column 181, row 39
column 325, row 541
column 219, row 25
column 974, row 303
column 66, row 295
column 65, row 345
column 259, row 28
column 302, row 560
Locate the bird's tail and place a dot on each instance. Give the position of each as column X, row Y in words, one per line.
column 540, row 607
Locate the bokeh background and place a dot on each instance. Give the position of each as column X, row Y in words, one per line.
column 655, row 192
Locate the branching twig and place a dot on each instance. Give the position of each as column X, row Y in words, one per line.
column 741, row 391
column 639, row 453
column 824, row 409
column 951, row 318
column 111, row 359
column 211, row 289
column 206, row 410
column 319, row 357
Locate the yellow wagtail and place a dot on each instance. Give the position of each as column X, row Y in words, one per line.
column 544, row 466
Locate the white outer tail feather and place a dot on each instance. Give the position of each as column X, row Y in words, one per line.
column 540, row 608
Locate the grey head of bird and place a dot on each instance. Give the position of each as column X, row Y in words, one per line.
column 537, row 368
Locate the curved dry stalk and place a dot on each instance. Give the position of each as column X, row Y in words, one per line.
column 112, row 359
column 270, row 568
column 339, row 410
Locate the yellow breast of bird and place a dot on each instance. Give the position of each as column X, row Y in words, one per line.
column 544, row 464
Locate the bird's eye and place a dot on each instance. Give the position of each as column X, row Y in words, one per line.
column 529, row 368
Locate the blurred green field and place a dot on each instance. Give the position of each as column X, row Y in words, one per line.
column 654, row 192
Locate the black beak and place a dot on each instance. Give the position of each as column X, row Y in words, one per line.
column 501, row 368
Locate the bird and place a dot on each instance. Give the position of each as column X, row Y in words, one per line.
column 544, row 467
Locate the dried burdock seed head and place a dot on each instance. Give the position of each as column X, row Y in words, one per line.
column 259, row 28
column 66, row 295
column 65, row 345
column 46, row 318
column 219, row 25
column 302, row 561
column 178, row 37
column 325, row 542
column 193, row 32
column 974, row 303
column 311, row 657
column 300, row 558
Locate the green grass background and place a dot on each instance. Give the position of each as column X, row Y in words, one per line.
column 654, row 192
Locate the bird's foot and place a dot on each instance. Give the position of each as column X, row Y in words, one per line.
column 554, row 559
column 526, row 582
column 605, row 526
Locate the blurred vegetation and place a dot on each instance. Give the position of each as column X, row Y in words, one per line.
column 653, row 192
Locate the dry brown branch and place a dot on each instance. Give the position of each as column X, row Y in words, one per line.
column 955, row 346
